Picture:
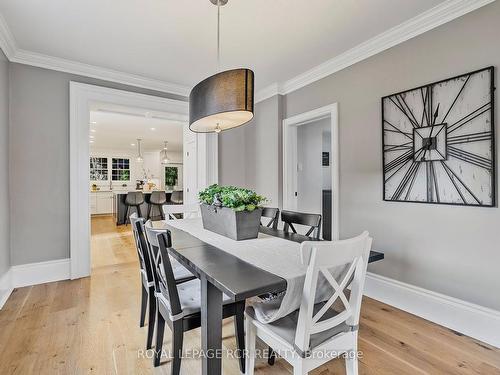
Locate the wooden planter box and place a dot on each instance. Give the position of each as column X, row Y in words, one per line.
column 241, row 225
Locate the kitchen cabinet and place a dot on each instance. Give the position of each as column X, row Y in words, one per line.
column 101, row 202
column 93, row 203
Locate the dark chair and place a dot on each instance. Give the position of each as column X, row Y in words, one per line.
column 134, row 199
column 181, row 273
column 273, row 214
column 148, row 290
column 177, row 197
column 179, row 305
column 148, row 298
column 157, row 199
column 312, row 220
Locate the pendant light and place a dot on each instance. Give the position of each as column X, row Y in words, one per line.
column 224, row 100
column 163, row 155
column 139, row 154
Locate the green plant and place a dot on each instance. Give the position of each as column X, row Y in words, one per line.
column 239, row 199
column 171, row 176
column 124, row 175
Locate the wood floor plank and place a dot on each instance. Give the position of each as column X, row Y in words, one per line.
column 90, row 326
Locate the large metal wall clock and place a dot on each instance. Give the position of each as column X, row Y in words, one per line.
column 438, row 142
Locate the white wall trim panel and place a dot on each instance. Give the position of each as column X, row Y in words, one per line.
column 40, row 273
column 467, row 318
column 6, row 287
column 33, row 274
column 428, row 20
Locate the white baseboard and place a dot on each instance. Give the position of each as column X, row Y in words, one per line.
column 39, row 273
column 6, row 287
column 467, row 318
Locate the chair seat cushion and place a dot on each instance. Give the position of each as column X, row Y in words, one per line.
column 286, row 327
column 190, row 297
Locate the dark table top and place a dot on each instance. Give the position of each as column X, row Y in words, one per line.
column 374, row 255
column 236, row 278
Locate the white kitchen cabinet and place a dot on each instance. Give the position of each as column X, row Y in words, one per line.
column 101, row 202
column 93, row 203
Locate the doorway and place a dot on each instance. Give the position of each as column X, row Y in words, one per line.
column 310, row 166
column 86, row 98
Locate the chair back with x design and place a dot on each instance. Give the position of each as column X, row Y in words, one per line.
column 313, row 221
column 142, row 247
column 165, row 284
column 348, row 259
column 273, row 214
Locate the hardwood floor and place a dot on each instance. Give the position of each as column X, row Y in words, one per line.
column 91, row 326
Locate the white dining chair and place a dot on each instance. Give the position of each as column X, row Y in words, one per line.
column 187, row 211
column 316, row 333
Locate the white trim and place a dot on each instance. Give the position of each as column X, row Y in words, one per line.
column 7, row 42
column 267, row 92
column 6, row 287
column 82, row 98
column 87, row 70
column 290, row 158
column 21, row 56
column 467, row 318
column 428, row 20
column 40, row 273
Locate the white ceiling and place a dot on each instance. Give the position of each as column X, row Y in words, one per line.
column 118, row 128
column 174, row 41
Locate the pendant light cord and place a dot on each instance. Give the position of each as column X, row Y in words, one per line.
column 218, row 35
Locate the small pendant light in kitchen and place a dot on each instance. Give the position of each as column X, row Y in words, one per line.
column 164, row 157
column 139, row 154
column 224, row 100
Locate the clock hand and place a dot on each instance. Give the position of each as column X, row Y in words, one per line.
column 428, row 145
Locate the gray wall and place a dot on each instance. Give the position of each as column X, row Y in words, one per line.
column 4, row 165
column 39, row 160
column 448, row 249
column 251, row 156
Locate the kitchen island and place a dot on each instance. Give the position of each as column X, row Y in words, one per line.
column 120, row 208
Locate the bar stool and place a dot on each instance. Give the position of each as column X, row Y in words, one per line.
column 158, row 199
column 133, row 199
column 177, row 197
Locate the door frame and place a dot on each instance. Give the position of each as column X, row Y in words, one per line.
column 290, row 161
column 82, row 99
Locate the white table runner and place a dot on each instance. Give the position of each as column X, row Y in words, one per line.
column 272, row 254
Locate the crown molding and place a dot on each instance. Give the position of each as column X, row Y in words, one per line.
column 428, row 20
column 74, row 67
column 7, row 42
column 17, row 55
column 267, row 92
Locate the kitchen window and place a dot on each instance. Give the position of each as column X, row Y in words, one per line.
column 120, row 169
column 98, row 169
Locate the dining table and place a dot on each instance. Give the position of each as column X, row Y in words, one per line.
column 236, row 269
